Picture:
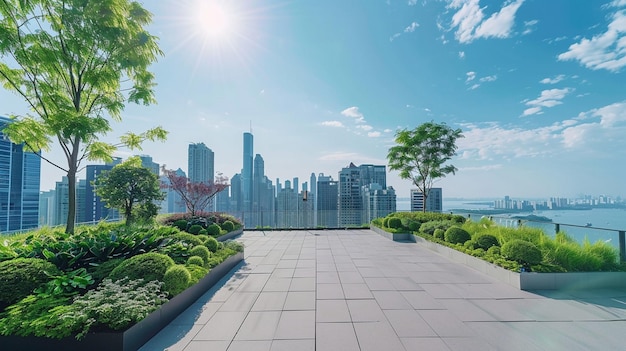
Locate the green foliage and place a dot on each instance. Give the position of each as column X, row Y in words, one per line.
column 201, row 251
column 414, row 226
column 494, row 250
column 102, row 270
column 211, row 244
column 195, row 229
column 128, row 186
column 176, row 279
column 429, row 227
column 181, row 224
column 203, row 237
column 439, row 234
column 20, row 276
column 394, row 222
column 485, row 241
column 228, row 226
column 196, row 272
column 196, row 260
column 213, row 230
column 522, row 251
column 386, row 222
column 68, row 283
column 456, row 235
column 187, row 239
column 38, row 315
column 149, row 266
column 233, row 245
column 421, row 154
column 77, row 67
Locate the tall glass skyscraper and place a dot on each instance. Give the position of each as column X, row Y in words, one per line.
column 19, row 185
column 200, row 163
column 246, row 173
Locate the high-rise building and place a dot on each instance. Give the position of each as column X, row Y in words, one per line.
column 200, row 163
column 434, row 200
column 287, row 207
column 247, row 171
column 46, row 208
column 61, row 201
column 379, row 202
column 173, row 202
column 327, row 200
column 94, row 208
column 350, row 201
column 236, row 194
column 19, row 185
column 373, row 174
column 146, row 161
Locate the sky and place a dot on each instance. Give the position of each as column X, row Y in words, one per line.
column 536, row 86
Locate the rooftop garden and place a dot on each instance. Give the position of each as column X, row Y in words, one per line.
column 517, row 249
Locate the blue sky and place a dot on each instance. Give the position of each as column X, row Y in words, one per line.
column 536, row 86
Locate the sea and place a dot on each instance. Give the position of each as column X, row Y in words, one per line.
column 596, row 224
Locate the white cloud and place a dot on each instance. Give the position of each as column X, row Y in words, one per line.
column 554, row 80
column 529, row 26
column 470, row 76
column 489, row 78
column 470, row 23
column 387, row 131
column 365, row 127
column 353, row 112
column 548, row 98
column 481, row 168
column 461, row 54
column 391, row 38
column 373, row 134
column 603, row 51
column 412, row 2
column 411, row 28
column 475, row 86
column 336, row 124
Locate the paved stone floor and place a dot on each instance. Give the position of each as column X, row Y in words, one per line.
column 355, row 290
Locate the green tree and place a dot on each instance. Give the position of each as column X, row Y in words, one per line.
column 421, row 154
column 76, row 63
column 128, row 186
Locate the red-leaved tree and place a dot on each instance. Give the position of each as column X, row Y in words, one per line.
column 195, row 196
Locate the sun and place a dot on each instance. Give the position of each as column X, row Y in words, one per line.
column 213, row 20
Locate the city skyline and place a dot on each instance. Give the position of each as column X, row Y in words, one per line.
column 535, row 86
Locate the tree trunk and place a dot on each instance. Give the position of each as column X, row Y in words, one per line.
column 71, row 213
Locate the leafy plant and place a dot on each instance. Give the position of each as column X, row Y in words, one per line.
column 149, row 266
column 195, row 229
column 67, row 283
column 456, row 235
column 522, row 251
column 201, row 251
column 394, row 222
column 196, row 260
column 176, row 279
column 228, row 226
column 20, row 276
column 429, row 227
column 213, row 230
column 38, row 315
column 485, row 241
column 211, row 244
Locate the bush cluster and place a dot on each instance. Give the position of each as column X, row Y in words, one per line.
column 456, row 235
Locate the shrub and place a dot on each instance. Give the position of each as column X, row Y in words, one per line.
column 149, row 266
column 181, row 224
column 212, row 244
column 485, row 241
column 20, row 276
column 213, row 230
column 202, row 232
column 470, row 245
column 186, row 238
column 494, row 250
column 176, row 279
column 521, row 251
column 201, row 251
column 228, row 226
column 195, row 260
column 197, row 273
column 456, row 235
column 414, row 226
column 386, row 222
column 395, row 223
column 195, row 229
column 429, row 227
column 101, row 271
column 439, row 233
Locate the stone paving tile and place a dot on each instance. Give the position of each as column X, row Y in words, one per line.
column 336, row 336
column 391, row 300
column 378, row 283
column 270, row 301
column 172, row 338
column 293, row 345
column 300, row 301
column 222, row 326
column 408, row 323
column 202, row 345
column 259, row 326
column 329, row 291
column 376, row 336
column 277, row 284
column 254, row 282
column 430, row 344
column 356, row 291
column 365, row 311
column 302, row 284
column 239, row 301
column 350, row 277
column 327, row 277
column 332, row 311
column 445, row 323
column 249, row 345
column 296, row 325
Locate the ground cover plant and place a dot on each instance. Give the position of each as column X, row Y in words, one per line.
column 517, row 249
column 105, row 277
column 214, row 224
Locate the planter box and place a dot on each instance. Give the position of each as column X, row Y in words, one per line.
column 402, row 237
column 137, row 335
column 230, row 235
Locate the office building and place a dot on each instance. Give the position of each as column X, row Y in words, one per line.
column 350, row 208
column 379, row 202
column 247, row 170
column 173, row 202
column 46, row 208
column 19, row 185
column 434, row 200
column 147, row 162
column 95, row 209
column 200, row 164
column 327, row 201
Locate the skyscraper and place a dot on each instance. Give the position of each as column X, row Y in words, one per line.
column 327, row 200
column 200, row 163
column 19, row 185
column 94, row 208
column 434, row 200
column 350, row 201
column 246, row 173
column 146, row 161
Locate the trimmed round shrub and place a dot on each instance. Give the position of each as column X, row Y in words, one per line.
column 439, row 233
column 195, row 229
column 485, row 241
column 20, row 276
column 228, row 226
column 187, row 238
column 149, row 266
column 470, row 245
column 201, row 251
column 195, row 260
column 395, row 223
column 494, row 250
column 521, row 251
column 212, row 244
column 414, row 226
column 203, row 237
column 202, row 232
column 213, row 230
column 197, row 273
column 181, row 224
column 176, row 279
column 429, row 227
column 101, row 271
column 456, row 235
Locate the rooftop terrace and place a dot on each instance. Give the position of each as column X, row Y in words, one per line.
column 355, row 290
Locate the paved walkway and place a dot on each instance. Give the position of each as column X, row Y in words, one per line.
column 355, row 290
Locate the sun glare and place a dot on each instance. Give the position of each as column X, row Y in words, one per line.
column 214, row 20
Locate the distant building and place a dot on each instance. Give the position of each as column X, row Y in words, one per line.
column 434, row 200
column 378, row 202
column 46, row 208
column 200, row 163
column 173, row 202
column 19, row 185
column 247, row 172
column 353, row 207
column 327, row 201
column 94, row 208
column 287, row 206
column 146, row 161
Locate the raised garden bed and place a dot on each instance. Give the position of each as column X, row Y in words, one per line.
column 231, row 235
column 525, row 280
column 134, row 337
